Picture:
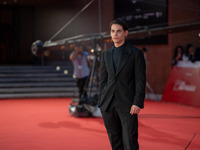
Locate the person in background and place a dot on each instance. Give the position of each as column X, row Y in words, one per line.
column 122, row 89
column 197, row 54
column 178, row 55
column 81, row 66
column 190, row 53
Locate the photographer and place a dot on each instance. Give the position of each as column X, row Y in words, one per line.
column 80, row 62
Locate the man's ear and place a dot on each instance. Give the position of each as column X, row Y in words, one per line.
column 126, row 32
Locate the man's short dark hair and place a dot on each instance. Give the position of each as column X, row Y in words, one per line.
column 120, row 22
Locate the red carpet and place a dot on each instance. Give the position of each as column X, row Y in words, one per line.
column 45, row 124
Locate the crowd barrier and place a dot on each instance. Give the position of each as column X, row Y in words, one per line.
column 183, row 85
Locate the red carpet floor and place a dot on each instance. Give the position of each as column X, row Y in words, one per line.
column 45, row 124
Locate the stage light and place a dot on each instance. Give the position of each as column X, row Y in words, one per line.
column 92, row 50
column 65, row 71
column 58, row 68
column 37, row 48
column 199, row 34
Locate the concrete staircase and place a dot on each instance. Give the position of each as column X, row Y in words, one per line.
column 37, row 82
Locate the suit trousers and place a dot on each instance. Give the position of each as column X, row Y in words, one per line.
column 122, row 127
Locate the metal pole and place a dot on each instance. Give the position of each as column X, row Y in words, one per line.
column 72, row 19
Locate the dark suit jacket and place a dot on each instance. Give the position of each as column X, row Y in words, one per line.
column 127, row 82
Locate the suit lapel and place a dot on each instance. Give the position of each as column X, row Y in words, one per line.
column 110, row 59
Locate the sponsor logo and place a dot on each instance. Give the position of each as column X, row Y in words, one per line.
column 180, row 85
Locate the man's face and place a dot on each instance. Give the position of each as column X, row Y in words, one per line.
column 118, row 34
column 191, row 50
column 79, row 49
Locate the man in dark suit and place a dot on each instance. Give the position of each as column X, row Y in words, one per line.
column 122, row 89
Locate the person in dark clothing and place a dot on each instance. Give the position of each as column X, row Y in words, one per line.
column 190, row 53
column 197, row 54
column 178, row 55
column 122, row 89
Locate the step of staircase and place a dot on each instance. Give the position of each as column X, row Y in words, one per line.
column 37, row 82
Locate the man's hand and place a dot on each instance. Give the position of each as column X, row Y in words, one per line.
column 134, row 109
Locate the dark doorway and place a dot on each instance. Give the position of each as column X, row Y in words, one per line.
column 16, row 34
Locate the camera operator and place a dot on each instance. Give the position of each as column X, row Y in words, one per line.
column 80, row 62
